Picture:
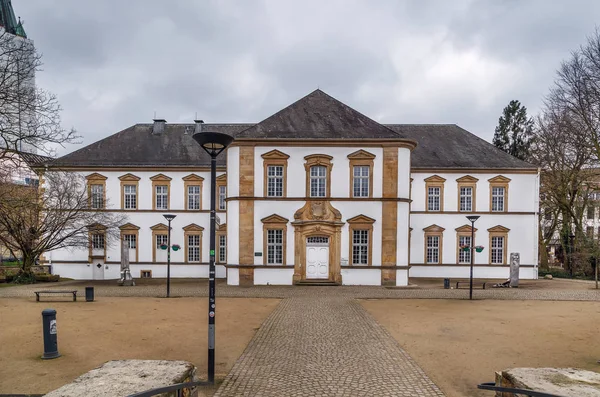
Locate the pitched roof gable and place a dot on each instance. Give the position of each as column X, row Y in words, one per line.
column 318, row 116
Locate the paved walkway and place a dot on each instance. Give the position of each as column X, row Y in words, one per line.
column 310, row 346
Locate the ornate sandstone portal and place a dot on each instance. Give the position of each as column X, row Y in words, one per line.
column 318, row 219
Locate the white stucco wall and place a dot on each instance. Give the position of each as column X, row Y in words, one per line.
column 499, row 272
column 268, row 276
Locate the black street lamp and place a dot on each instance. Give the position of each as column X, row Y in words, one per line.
column 213, row 143
column 169, row 218
column 472, row 219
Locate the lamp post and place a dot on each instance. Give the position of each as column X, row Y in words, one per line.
column 472, row 219
column 213, row 143
column 169, row 218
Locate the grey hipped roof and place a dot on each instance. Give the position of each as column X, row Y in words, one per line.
column 449, row 146
column 318, row 116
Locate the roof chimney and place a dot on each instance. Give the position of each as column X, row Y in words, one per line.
column 159, row 126
column 198, row 126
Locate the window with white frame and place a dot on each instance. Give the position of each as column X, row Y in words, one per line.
column 433, row 249
column 131, row 240
column 98, row 241
column 222, row 248
column 193, row 248
column 360, row 247
column 497, row 250
column 193, row 197
column 161, row 239
column 97, row 199
column 464, row 256
column 275, row 181
column 162, row 197
column 498, row 198
column 433, row 198
column 318, row 181
column 222, row 197
column 466, row 198
column 360, row 177
column 130, row 196
column 274, row 246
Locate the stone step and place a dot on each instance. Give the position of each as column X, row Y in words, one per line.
column 320, row 283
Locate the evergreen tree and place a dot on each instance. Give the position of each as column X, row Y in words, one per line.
column 514, row 131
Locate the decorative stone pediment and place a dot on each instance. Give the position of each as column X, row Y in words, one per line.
column 317, row 159
column 467, row 179
column 361, row 155
column 129, row 226
column 499, row 229
column 275, row 154
column 222, row 177
column 96, row 227
column 192, row 227
column 159, row 226
column 435, row 178
column 129, row 177
column 360, row 219
column 274, row 219
column 499, row 179
column 96, row 177
column 318, row 211
column 160, row 177
column 434, row 229
column 464, row 229
column 223, row 227
column 193, row 177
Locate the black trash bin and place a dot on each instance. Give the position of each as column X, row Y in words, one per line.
column 446, row 283
column 89, row 294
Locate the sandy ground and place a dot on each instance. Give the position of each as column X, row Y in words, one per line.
column 462, row 343
column 90, row 334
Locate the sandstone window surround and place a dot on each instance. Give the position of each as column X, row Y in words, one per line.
column 434, row 193
column 161, row 191
column 318, row 175
column 130, row 185
column 221, row 194
column 160, row 233
column 360, row 230
column 498, row 243
column 222, row 244
column 433, row 244
column 467, row 193
column 274, row 240
column 361, row 173
column 275, row 165
column 463, row 238
column 499, row 193
column 130, row 233
column 192, row 235
column 192, row 190
column 96, row 187
column 97, row 241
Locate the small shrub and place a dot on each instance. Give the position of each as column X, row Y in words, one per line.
column 44, row 278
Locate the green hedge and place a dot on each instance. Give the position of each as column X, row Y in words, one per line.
column 40, row 278
column 562, row 273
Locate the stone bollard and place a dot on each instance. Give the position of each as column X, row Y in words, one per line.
column 50, row 336
column 515, row 261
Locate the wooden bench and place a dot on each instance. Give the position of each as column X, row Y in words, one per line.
column 37, row 294
column 467, row 282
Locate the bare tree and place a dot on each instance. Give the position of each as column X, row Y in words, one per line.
column 29, row 116
column 36, row 220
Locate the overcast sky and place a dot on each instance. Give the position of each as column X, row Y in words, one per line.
column 113, row 63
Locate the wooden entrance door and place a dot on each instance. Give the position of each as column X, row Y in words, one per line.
column 317, row 258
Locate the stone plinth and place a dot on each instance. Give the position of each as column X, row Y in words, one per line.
column 567, row 382
column 125, row 377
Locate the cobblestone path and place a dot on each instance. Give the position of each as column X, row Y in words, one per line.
column 315, row 346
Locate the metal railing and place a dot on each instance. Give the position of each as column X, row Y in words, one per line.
column 178, row 387
column 531, row 393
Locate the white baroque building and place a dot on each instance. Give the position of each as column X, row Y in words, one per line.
column 317, row 192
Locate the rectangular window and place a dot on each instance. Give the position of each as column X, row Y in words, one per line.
column 130, row 196
column 162, row 197
column 466, row 199
column 145, row 273
column 497, row 199
column 360, row 177
column 275, row 181
column 222, row 197
column 98, row 241
column 222, row 248
column 360, row 247
column 318, row 181
column 193, row 197
column 497, row 250
column 548, row 215
column 590, row 212
column 161, row 239
column 433, row 198
column 464, row 256
column 590, row 232
column 433, row 249
column 131, row 240
column 275, row 247
column 194, row 248
column 97, row 199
